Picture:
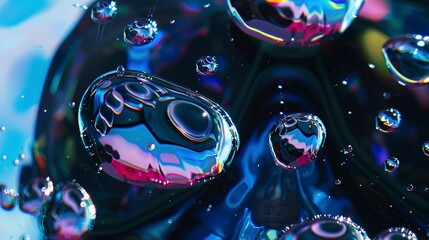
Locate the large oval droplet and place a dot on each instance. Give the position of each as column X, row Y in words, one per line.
column 326, row 227
column 294, row 23
column 396, row 233
column 407, row 58
column 104, row 12
column 68, row 214
column 144, row 130
column 296, row 139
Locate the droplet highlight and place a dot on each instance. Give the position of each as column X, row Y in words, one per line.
column 296, row 139
column 391, row 164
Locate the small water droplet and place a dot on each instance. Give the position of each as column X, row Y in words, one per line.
column 16, row 161
column 120, row 70
column 72, row 104
column 4, row 157
column 386, row 95
column 344, row 82
column 206, row 65
column 150, row 146
column 104, row 12
column 426, row 189
column 170, row 221
column 140, row 32
column 347, row 150
column 45, row 110
column 407, row 57
column 3, row 128
column 338, row 182
column 8, row 197
column 296, row 139
column 279, row 86
column 371, row 65
column 80, row 6
column 410, row 187
column 172, row 21
column 391, row 164
column 425, row 148
column 388, row 120
column 207, row 5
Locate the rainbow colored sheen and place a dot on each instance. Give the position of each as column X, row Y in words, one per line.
column 294, row 23
column 67, row 214
column 144, row 131
column 104, row 12
column 33, row 194
column 326, row 227
column 296, row 139
column 407, row 58
column 388, row 120
column 396, row 233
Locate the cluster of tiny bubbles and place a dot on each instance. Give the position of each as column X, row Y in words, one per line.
column 8, row 197
column 140, row 32
column 396, row 233
column 391, row 164
column 34, row 194
column 294, row 23
column 407, row 57
column 388, row 120
column 295, row 140
column 206, row 65
column 146, row 131
column 425, row 148
column 69, row 213
column 104, row 12
column 326, row 227
column 347, row 150
column 410, row 187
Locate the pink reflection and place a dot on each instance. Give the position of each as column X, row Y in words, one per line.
column 375, row 10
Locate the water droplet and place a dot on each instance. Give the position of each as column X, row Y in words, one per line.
column 206, row 65
column 396, row 233
column 3, row 128
column 388, row 120
column 172, row 21
column 371, row 65
column 407, row 58
column 72, row 104
column 391, row 164
column 45, row 110
column 120, row 70
column 170, row 221
column 344, row 82
column 62, row 215
column 194, row 137
column 426, row 189
column 16, row 162
column 25, row 237
column 207, row 5
column 34, row 193
column 425, row 148
column 8, row 197
column 140, row 32
column 280, row 87
column 296, row 139
column 293, row 23
column 386, row 95
column 80, row 6
column 4, row 157
column 410, row 187
column 338, row 182
column 347, row 150
column 325, row 227
column 104, row 12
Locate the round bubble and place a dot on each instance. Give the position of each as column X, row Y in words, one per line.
column 33, row 194
column 144, row 130
column 388, row 120
column 140, row 32
column 206, row 65
column 391, row 164
column 425, row 148
column 295, row 23
column 396, row 233
column 67, row 214
column 104, row 12
column 407, row 58
column 296, row 139
column 326, row 227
